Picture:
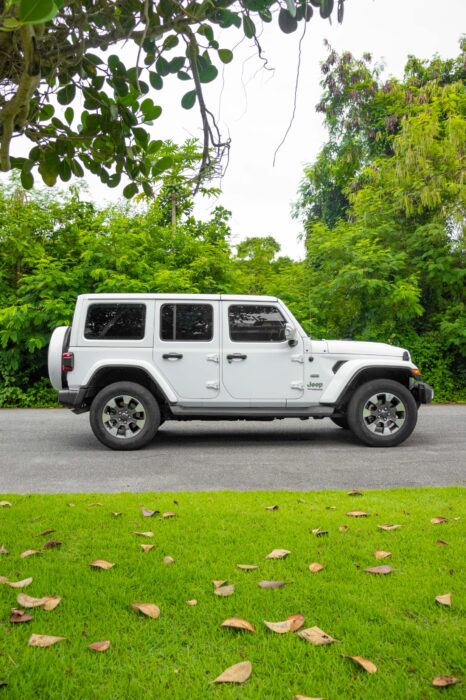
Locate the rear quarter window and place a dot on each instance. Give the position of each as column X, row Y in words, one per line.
column 115, row 322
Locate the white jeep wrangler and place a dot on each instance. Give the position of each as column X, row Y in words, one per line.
column 137, row 360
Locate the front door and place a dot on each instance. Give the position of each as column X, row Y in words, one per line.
column 186, row 347
column 258, row 363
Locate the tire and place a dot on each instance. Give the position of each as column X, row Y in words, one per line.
column 124, row 416
column 342, row 422
column 382, row 413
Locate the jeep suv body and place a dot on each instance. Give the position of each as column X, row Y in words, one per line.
column 136, row 360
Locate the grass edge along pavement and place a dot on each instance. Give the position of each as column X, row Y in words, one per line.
column 391, row 619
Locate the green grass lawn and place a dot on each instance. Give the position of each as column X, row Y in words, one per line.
column 393, row 620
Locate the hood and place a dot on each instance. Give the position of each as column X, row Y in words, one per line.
column 355, row 347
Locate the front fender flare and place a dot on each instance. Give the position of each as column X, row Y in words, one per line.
column 352, row 368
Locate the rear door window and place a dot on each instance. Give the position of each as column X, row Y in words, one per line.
column 115, row 322
column 187, row 322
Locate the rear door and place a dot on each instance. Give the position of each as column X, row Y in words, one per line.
column 186, row 347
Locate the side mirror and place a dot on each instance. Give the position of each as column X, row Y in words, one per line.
column 290, row 335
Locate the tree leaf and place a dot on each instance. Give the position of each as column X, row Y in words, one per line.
column 247, row 567
column 239, row 624
column 388, row 528
column 43, row 640
column 379, row 570
column 239, row 673
column 52, row 544
column 225, row 55
column 168, row 560
column 315, row 567
column 208, row 73
column 128, row 192
column 169, row 514
column 20, row 584
column 37, row 11
column 444, row 599
column 148, row 609
column 27, row 601
column 225, row 591
column 66, row 94
column 249, row 27
column 101, row 564
column 287, row 22
column 147, row 547
column 381, row 554
column 444, row 681
column 189, row 99
column 191, row 602
column 278, row 554
column 439, row 520
column 316, row 636
column 148, row 533
column 291, row 624
column 99, row 646
column 358, row 514
column 147, row 513
column 217, row 582
column 27, row 179
column 29, row 553
column 18, row 616
column 326, row 8
column 51, row 602
column 271, row 584
column 367, row 665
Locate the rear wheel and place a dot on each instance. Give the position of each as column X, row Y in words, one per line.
column 341, row 421
column 382, row 413
column 124, row 416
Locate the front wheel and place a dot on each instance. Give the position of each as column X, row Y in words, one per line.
column 124, row 416
column 382, row 413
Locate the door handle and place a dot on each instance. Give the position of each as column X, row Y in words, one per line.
column 172, row 356
column 236, row 356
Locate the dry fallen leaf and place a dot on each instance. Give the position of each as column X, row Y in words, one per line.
column 441, row 543
column 27, row 601
column 247, row 567
column 116, row 514
column 364, row 663
column 43, row 640
column 275, row 507
column 218, row 582
column 5, row 504
column 4, row 550
column 271, row 584
column 238, row 623
column 315, row 567
column 388, row 527
column 71, row 505
column 239, row 673
column 225, row 591
column 51, row 602
column 379, row 570
column 330, row 507
column 444, row 599
column 19, row 616
column 149, row 609
column 99, row 646
column 304, row 697
column 51, row 544
column 278, row 554
column 29, row 553
column 148, row 533
column 3, row 579
column 355, row 492
column 148, row 513
column 439, row 520
column 317, row 532
column 168, row 560
column 358, row 514
column 343, row 528
column 380, row 554
column 444, row 681
column 169, row 515
column 291, row 624
column 191, row 602
column 316, row 636
column 147, row 547
column 101, row 564
column 20, row 584
column 46, row 532
column 93, row 505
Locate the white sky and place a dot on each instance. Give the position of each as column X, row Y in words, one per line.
column 255, row 107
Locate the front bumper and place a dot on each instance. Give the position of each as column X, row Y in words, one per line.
column 422, row 392
column 74, row 400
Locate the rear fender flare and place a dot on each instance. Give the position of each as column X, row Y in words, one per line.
column 146, row 367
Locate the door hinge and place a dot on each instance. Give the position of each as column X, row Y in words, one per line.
column 297, row 385
column 212, row 385
column 297, row 358
column 212, row 358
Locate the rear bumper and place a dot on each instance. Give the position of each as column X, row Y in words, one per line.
column 74, row 400
column 422, row 392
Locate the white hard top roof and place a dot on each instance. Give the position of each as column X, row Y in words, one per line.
column 176, row 297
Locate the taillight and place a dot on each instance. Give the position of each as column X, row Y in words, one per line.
column 67, row 362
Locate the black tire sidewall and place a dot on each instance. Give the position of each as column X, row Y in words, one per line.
column 151, row 409
column 358, row 401
column 342, row 422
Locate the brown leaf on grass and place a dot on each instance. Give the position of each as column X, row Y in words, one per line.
column 444, row 599
column 316, row 636
column 238, row 623
column 330, row 507
column 169, row 514
column 291, row 624
column 439, row 520
column 218, row 582
column 275, row 507
column 387, row 528
column 147, row 547
column 29, row 553
column 444, row 681
column 27, row 601
column 315, row 567
column 380, row 554
column 99, row 646
column 278, row 554
column 239, row 673
column 149, row 609
column 5, row 504
column 20, row 584
column 304, row 697
column 71, row 505
column 168, row 560
column 355, row 492
column 225, row 591
column 271, row 584
column 4, row 550
column 343, row 528
column 364, row 663
column 101, row 564
column 94, row 505
column 116, row 513
column 51, row 602
column 247, row 567
column 43, row 640
column 358, row 514
column 148, row 533
column 18, row 616
column 317, row 532
column 147, row 513
column 44, row 533
column 442, row 543
column 192, row 602
column 379, row 570
column 51, row 544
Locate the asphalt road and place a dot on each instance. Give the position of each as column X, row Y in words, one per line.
column 54, row 451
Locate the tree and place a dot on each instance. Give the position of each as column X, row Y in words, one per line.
column 56, row 50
